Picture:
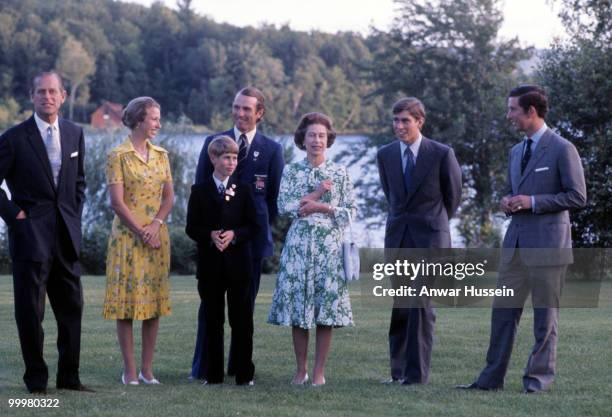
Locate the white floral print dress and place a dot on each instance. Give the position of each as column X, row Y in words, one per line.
column 310, row 288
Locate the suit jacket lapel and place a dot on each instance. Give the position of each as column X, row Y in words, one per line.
column 36, row 142
column 537, row 155
column 214, row 191
column 423, row 165
column 66, row 144
column 395, row 162
column 249, row 169
column 515, row 169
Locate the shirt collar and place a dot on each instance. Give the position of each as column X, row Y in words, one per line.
column 127, row 146
column 537, row 136
column 43, row 126
column 218, row 182
column 249, row 135
column 414, row 147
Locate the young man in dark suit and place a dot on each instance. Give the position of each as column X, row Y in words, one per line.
column 421, row 180
column 260, row 165
column 221, row 218
column 41, row 160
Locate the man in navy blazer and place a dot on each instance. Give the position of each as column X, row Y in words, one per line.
column 421, row 180
column 260, row 164
column 41, row 160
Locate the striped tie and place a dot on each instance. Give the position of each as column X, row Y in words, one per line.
column 221, row 189
column 54, row 153
column 243, row 147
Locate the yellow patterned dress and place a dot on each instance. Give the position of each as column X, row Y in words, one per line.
column 137, row 276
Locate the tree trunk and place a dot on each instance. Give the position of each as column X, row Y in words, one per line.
column 71, row 101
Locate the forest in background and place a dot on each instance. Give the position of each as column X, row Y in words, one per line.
column 112, row 50
column 446, row 52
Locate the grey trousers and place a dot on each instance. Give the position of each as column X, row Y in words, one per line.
column 545, row 285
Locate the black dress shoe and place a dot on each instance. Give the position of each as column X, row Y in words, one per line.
column 78, row 387
column 38, row 391
column 474, row 386
column 530, row 391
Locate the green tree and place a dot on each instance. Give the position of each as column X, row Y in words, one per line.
column 576, row 74
column 75, row 64
column 447, row 54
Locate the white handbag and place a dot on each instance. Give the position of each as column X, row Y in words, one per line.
column 350, row 254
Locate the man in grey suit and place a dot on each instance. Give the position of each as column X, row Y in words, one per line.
column 545, row 181
column 421, row 180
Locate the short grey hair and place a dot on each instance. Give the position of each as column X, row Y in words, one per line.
column 136, row 111
column 38, row 76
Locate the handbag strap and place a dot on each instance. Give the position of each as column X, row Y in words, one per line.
column 350, row 225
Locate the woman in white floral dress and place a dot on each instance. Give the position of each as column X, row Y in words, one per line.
column 311, row 289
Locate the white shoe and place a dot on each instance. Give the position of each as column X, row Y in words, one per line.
column 125, row 382
column 318, row 385
column 302, row 382
column 148, row 381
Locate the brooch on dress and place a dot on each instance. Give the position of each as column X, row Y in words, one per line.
column 229, row 192
column 255, row 155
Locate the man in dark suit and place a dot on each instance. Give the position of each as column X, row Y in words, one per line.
column 41, row 160
column 260, row 164
column 221, row 218
column 545, row 181
column 421, row 180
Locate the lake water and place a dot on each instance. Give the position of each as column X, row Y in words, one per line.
column 344, row 150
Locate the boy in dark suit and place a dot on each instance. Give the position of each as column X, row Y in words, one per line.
column 221, row 218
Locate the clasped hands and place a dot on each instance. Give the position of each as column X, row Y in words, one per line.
column 515, row 203
column 150, row 234
column 309, row 204
column 222, row 238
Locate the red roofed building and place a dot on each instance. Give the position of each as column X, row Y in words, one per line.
column 108, row 115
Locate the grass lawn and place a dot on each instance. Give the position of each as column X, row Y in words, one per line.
column 358, row 361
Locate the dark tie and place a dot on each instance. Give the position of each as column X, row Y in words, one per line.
column 242, row 153
column 526, row 156
column 221, row 189
column 409, row 168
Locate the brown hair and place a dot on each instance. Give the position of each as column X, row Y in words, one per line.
column 136, row 111
column 531, row 95
column 251, row 91
column 412, row 105
column 221, row 145
column 314, row 119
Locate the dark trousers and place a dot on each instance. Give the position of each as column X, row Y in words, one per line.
column 545, row 285
column 410, row 342
column 411, row 331
column 31, row 282
column 198, row 365
column 240, row 314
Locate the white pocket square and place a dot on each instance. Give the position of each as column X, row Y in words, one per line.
column 75, row 154
column 541, row 169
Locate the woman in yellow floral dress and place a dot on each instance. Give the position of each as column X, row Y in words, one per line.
column 138, row 258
